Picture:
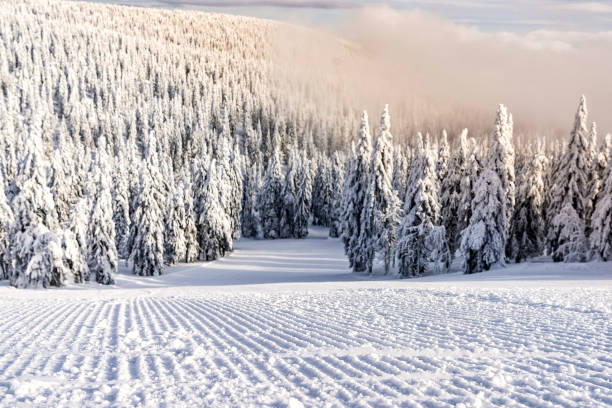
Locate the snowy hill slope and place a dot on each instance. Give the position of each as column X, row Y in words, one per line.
column 282, row 322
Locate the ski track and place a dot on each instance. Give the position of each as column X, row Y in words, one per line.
column 362, row 347
column 325, row 338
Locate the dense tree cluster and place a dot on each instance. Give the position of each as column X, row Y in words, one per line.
column 469, row 203
column 153, row 143
column 164, row 143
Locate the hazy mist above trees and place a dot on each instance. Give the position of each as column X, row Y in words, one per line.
column 435, row 73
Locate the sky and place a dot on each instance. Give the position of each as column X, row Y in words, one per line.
column 488, row 15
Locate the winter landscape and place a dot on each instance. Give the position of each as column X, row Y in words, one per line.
column 209, row 204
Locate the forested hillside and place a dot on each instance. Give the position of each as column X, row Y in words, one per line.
column 162, row 136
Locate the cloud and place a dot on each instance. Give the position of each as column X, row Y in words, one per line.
column 434, row 70
column 315, row 4
column 588, row 7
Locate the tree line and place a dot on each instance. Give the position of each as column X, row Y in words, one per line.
column 164, row 143
column 416, row 210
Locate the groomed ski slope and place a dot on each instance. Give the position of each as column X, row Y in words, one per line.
column 283, row 323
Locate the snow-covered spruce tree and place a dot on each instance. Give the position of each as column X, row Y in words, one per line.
column 121, row 207
column 527, row 232
column 6, row 221
column 251, row 223
column 38, row 256
column 483, row 241
column 322, row 192
column 147, row 226
column 422, row 246
column 215, row 225
column 500, row 159
column 73, row 258
column 450, row 193
column 133, row 178
column 201, row 168
column 604, row 157
column 381, row 214
column 191, row 233
column 554, row 163
column 356, row 184
column 473, row 168
column 400, row 173
column 231, row 190
column 338, row 168
column 175, row 247
column 270, row 199
column 568, row 205
column 101, row 251
column 601, row 223
column 303, row 199
column 78, row 225
column 288, row 194
column 34, row 219
column 60, row 176
column 599, row 163
column 443, row 158
column 593, row 177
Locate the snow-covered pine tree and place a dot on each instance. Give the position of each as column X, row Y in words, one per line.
column 288, row 194
column 175, row 247
column 73, row 261
column 322, row 192
column 473, row 168
column 599, row 163
column 8, row 147
column 338, row 168
column 356, row 184
column 214, row 224
column 231, row 190
column 450, row 193
column 133, row 178
column 191, row 233
column 201, row 168
column 6, row 221
column 381, row 214
column 270, row 199
column 443, row 158
column 593, row 177
column 500, row 159
column 38, row 258
column 251, row 223
column 569, row 196
column 33, row 246
column 605, row 156
column 601, row 237
column 483, row 241
column 101, row 251
column 303, row 199
column 78, row 225
column 550, row 175
column 400, row 173
column 147, row 226
column 422, row 246
column 121, row 207
column 527, row 232
column 60, row 176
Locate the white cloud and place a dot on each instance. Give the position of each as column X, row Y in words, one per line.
column 588, row 7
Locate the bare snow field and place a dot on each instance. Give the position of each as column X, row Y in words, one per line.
column 283, row 323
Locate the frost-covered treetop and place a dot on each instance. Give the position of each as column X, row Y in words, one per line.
column 364, row 130
column 580, row 124
column 385, row 120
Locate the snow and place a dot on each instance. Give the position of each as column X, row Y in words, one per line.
column 285, row 324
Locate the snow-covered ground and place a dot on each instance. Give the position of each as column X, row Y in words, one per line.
column 283, row 323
